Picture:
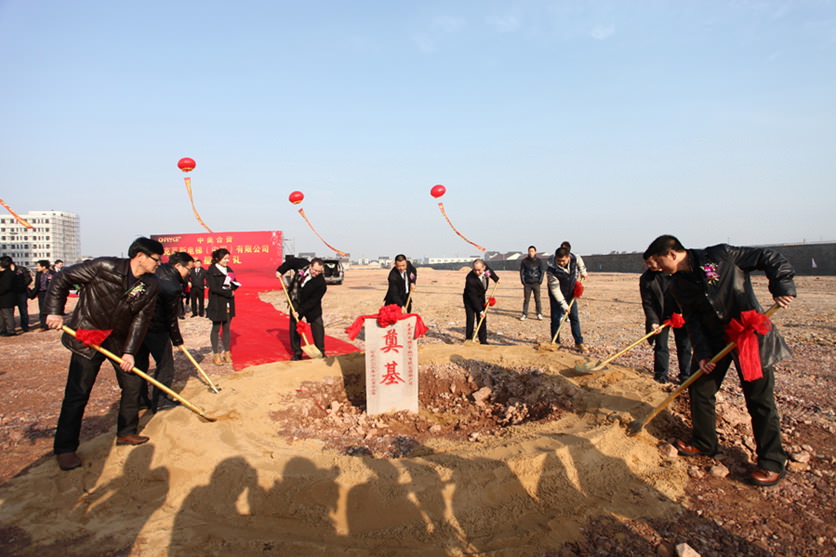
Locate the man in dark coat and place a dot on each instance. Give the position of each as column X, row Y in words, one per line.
column 658, row 305
column 8, row 298
column 40, row 286
column 532, row 272
column 402, row 279
column 164, row 331
column 713, row 288
column 116, row 295
column 197, row 279
column 306, row 288
column 23, row 278
column 475, row 302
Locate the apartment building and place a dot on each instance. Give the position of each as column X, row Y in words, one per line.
column 55, row 235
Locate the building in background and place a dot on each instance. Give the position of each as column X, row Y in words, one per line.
column 55, row 235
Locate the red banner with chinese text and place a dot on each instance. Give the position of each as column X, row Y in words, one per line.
column 253, row 256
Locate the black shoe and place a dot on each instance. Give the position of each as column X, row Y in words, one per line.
column 167, row 404
column 296, row 357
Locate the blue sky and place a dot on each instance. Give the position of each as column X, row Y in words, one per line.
column 602, row 123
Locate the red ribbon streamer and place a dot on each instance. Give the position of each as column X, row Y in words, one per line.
column 742, row 332
column 17, row 217
column 443, row 212
column 387, row 315
column 340, row 253
column 191, row 199
column 92, row 336
column 676, row 321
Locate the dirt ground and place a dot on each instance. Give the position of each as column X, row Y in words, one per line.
column 508, row 408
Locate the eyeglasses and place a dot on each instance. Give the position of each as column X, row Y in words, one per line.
column 157, row 259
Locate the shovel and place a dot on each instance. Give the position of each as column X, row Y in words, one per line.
column 484, row 314
column 311, row 350
column 408, row 299
column 637, row 425
column 589, row 366
column 200, row 369
column 563, row 320
column 145, row 376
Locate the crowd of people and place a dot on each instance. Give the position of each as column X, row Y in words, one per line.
column 139, row 301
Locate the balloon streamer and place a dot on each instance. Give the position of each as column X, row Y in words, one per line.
column 187, row 165
column 340, row 253
column 443, row 212
column 437, row 191
column 17, row 217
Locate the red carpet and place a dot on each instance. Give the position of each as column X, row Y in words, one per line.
column 260, row 333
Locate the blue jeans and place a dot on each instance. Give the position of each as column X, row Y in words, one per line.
column 574, row 321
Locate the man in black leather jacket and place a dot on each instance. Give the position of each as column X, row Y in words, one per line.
column 712, row 287
column 117, row 295
column 164, row 331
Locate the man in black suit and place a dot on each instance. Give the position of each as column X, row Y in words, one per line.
column 475, row 285
column 401, row 282
column 306, row 289
column 197, row 279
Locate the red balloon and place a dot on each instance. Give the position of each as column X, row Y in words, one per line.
column 492, row 301
column 438, row 191
column 296, row 197
column 186, row 164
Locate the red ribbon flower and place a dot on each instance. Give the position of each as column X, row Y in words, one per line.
column 676, row 321
column 578, row 292
column 492, row 301
column 92, row 336
column 304, row 328
column 387, row 315
column 742, row 332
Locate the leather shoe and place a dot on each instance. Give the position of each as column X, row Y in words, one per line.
column 296, row 357
column 68, row 461
column 763, row 477
column 684, row 449
column 132, row 439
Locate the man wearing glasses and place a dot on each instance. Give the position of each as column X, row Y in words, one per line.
column 116, row 295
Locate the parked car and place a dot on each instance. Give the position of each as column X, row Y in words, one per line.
column 333, row 271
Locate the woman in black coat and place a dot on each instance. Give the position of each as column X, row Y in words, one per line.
column 220, row 280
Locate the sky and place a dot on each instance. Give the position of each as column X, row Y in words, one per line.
column 602, row 123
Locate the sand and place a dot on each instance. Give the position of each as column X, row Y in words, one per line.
column 236, row 487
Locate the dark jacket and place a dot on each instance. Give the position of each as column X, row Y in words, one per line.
column 558, row 276
column 221, row 305
column 658, row 302
column 396, row 293
column 532, row 270
column 22, row 279
column 167, row 308
column 8, row 296
column 474, row 290
column 709, row 302
column 109, row 298
column 197, row 278
column 37, row 287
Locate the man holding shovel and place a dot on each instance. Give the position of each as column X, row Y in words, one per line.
column 116, row 295
column 305, row 289
column 164, row 331
column 402, row 279
column 475, row 285
column 714, row 291
column 562, row 277
column 658, row 305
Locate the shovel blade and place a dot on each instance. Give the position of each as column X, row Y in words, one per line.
column 312, row 351
column 634, row 427
column 587, row 367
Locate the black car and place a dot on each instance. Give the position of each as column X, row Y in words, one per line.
column 333, row 271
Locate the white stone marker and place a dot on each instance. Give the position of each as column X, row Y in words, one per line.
column 391, row 367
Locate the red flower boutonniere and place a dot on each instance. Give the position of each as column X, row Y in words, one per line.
column 711, row 275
